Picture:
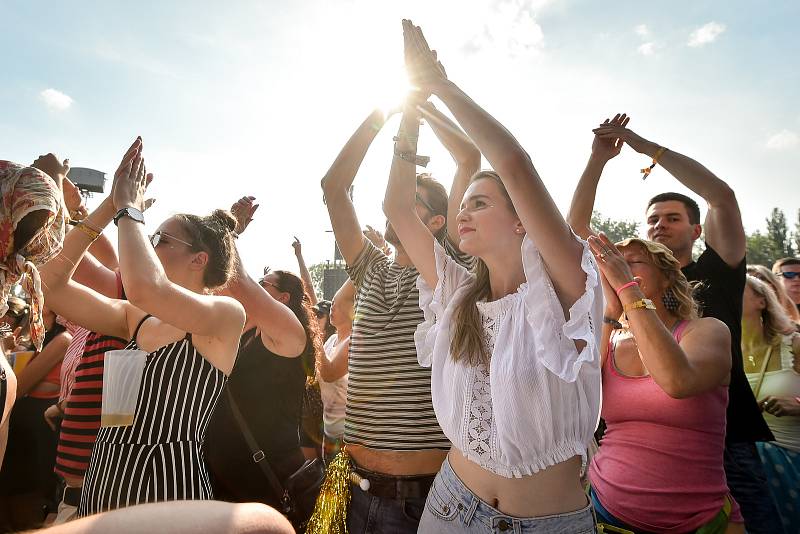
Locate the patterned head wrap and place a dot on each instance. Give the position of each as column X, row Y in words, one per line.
column 22, row 191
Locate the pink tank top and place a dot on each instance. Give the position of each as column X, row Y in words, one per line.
column 659, row 467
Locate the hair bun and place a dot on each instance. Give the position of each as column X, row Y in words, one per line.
column 224, row 219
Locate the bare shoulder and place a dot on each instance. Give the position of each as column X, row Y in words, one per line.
column 707, row 326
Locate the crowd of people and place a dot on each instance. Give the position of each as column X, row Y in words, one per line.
column 490, row 365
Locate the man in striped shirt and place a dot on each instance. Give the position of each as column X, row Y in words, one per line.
column 390, row 427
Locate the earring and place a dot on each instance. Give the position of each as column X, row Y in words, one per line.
column 670, row 300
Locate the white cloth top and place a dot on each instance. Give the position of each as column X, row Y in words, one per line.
column 334, row 397
column 783, row 383
column 538, row 404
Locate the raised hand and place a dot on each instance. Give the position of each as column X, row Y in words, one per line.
column 425, row 71
column 606, row 148
column 610, row 261
column 131, row 179
column 611, row 132
column 51, row 165
column 243, row 210
column 298, row 248
column 377, row 239
column 73, row 201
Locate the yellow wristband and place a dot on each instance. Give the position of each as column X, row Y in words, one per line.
column 88, row 230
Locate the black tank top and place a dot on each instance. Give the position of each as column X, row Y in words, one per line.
column 268, row 389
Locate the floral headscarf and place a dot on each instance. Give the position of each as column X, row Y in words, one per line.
column 22, row 191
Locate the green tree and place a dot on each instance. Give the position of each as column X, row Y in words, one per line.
column 761, row 249
column 615, row 230
column 797, row 233
column 778, row 233
column 317, row 272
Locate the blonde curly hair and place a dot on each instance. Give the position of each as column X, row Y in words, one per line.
column 661, row 257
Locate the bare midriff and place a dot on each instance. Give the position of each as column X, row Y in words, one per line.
column 399, row 463
column 555, row 490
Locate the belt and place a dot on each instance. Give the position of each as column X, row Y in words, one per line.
column 396, row 487
column 72, row 496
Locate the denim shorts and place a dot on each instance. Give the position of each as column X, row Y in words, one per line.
column 452, row 508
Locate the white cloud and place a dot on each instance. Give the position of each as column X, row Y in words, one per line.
column 642, row 30
column 783, row 140
column 706, row 34
column 56, row 100
column 511, row 26
column 647, row 49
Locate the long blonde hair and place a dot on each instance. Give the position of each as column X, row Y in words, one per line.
column 774, row 321
column 771, row 279
column 468, row 339
column 661, row 257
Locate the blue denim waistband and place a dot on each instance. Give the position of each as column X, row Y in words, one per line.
column 451, row 500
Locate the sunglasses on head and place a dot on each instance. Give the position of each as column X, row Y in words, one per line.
column 789, row 274
column 157, row 237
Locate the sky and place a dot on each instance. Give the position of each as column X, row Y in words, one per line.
column 258, row 97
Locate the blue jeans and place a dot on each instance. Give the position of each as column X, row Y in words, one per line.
column 375, row 515
column 452, row 508
column 748, row 484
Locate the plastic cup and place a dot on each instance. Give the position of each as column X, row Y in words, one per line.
column 122, row 380
column 19, row 360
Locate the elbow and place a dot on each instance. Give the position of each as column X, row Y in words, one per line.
column 515, row 163
column 470, row 160
column 394, row 208
column 677, row 389
column 141, row 292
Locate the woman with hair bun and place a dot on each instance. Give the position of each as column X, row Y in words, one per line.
column 265, row 393
column 190, row 336
column 665, row 392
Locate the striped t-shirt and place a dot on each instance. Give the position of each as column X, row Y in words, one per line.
column 388, row 394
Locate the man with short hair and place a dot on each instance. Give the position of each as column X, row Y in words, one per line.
column 391, row 431
column 673, row 220
column 788, row 270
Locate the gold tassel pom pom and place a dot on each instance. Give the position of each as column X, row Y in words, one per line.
column 330, row 511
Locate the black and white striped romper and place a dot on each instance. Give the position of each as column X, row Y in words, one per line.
column 159, row 457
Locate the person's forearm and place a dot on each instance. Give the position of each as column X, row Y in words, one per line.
column 103, row 250
column 662, row 356
column 401, row 190
column 580, row 210
column 39, row 366
column 460, row 147
column 340, row 176
column 60, row 269
column 495, row 142
column 692, row 174
column 142, row 272
column 306, row 277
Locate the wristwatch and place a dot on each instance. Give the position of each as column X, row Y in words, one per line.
column 133, row 213
column 641, row 303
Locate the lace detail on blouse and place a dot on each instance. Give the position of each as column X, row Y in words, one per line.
column 481, row 429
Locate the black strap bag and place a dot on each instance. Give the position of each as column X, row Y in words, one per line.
column 299, row 494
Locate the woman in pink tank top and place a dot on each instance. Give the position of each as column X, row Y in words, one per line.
column 665, row 391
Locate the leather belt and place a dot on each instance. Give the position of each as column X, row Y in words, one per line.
column 396, row 487
column 72, row 496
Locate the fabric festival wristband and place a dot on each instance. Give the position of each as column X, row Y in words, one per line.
column 647, row 170
column 410, row 157
column 86, row 229
column 626, row 286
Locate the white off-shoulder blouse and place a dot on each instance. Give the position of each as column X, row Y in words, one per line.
column 538, row 402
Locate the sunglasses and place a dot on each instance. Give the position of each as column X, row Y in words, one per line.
column 789, row 274
column 155, row 239
column 264, row 282
column 425, row 203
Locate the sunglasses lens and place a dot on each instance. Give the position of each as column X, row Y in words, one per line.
column 790, row 274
